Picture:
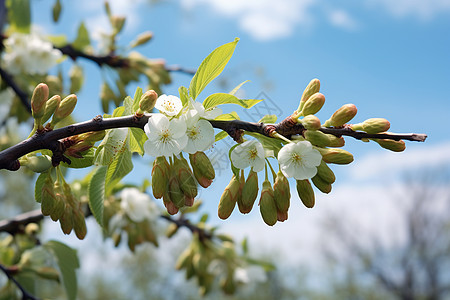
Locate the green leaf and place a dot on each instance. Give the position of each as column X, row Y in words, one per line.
column 137, row 140
column 245, row 246
column 118, row 112
column 39, row 185
column 111, row 145
column 233, row 168
column 82, row 40
column 268, row 119
column 57, row 40
column 136, row 99
column 211, row 67
column 221, row 135
column 233, row 91
column 184, row 95
column 267, row 266
column 96, row 192
column 19, row 15
column 121, row 166
column 67, row 260
column 224, row 98
column 128, row 105
column 228, row 117
column 79, row 163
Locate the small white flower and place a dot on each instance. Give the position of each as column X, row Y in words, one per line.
column 209, row 114
column 165, row 137
column 200, row 136
column 299, row 160
column 250, row 274
column 250, row 153
column 169, row 105
column 138, row 206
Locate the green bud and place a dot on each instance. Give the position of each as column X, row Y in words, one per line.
column 396, row 146
column 56, row 11
column 228, row 285
column 66, row 220
column 148, row 233
column 228, row 199
column 148, row 100
column 203, row 169
column 312, row 88
column 311, row 122
column 373, row 125
column 185, row 177
column 323, row 186
column 267, row 205
column 317, row 138
column 336, row 141
column 281, row 192
column 60, row 199
column 184, row 259
column 172, row 229
column 48, row 201
column 92, row 136
column 38, row 100
column 249, row 193
column 175, row 192
column 171, row 208
column 142, row 39
column 38, row 164
column 31, row 229
column 50, row 107
column 306, row 193
column 117, row 23
column 79, row 224
column 342, row 116
column 336, row 156
column 313, row 104
column 64, row 109
column 76, row 78
column 47, row 273
column 160, row 177
column 325, row 173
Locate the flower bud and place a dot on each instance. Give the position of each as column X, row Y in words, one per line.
column 317, row 138
column 142, row 39
column 170, row 206
column 47, row 273
column 79, row 224
column 228, row 285
column 281, row 192
column 228, row 199
column 148, row 100
column 342, row 116
column 66, row 220
column 336, row 141
column 311, row 122
column 76, row 79
column 313, row 104
column 38, row 100
column 93, row 136
column 31, row 229
column 160, row 177
column 38, row 164
column 64, row 109
column 373, row 125
column 56, row 10
column 325, row 173
column 336, row 156
column 117, row 23
column 312, row 88
column 50, row 107
column 185, row 177
column 306, row 193
column 203, row 169
column 323, row 186
column 175, row 192
column 267, row 205
column 249, row 193
column 60, row 200
column 48, row 201
column 396, row 146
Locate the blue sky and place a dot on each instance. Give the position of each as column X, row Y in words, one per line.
column 390, row 58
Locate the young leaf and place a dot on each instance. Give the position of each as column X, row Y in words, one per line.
column 184, row 97
column 82, row 40
column 270, row 119
column 211, row 67
column 96, row 192
column 136, row 99
column 19, row 15
column 267, row 142
column 121, row 166
column 137, row 140
column 67, row 260
column 224, row 98
column 228, row 117
column 39, row 185
column 79, row 163
column 221, row 135
column 233, row 168
column 233, row 92
column 113, row 142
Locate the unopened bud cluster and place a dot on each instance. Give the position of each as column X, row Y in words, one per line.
column 176, row 183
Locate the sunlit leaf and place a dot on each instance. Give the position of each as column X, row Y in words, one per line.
column 233, row 91
column 82, row 40
column 96, row 192
column 19, row 15
column 224, row 98
column 268, row 119
column 228, row 117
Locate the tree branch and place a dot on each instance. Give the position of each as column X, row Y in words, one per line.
column 182, row 222
column 18, row 223
column 51, row 139
column 23, row 97
column 9, row 273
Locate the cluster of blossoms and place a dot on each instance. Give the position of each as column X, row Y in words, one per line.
column 29, row 53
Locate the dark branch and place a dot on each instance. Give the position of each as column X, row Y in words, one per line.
column 51, row 140
column 9, row 273
column 18, row 223
column 182, row 222
column 110, row 60
column 8, row 79
column 177, row 68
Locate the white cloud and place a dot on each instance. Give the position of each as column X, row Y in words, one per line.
column 380, row 165
column 423, row 9
column 342, row 19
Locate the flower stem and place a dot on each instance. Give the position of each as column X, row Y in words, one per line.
column 274, row 175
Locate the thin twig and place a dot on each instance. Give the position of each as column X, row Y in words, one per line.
column 19, row 222
column 182, row 222
column 23, row 97
column 25, row 294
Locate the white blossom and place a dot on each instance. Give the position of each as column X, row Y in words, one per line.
column 250, row 274
column 28, row 53
column 165, row 137
column 138, row 206
column 169, row 105
column 299, row 160
column 250, row 153
column 200, row 132
column 209, row 114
